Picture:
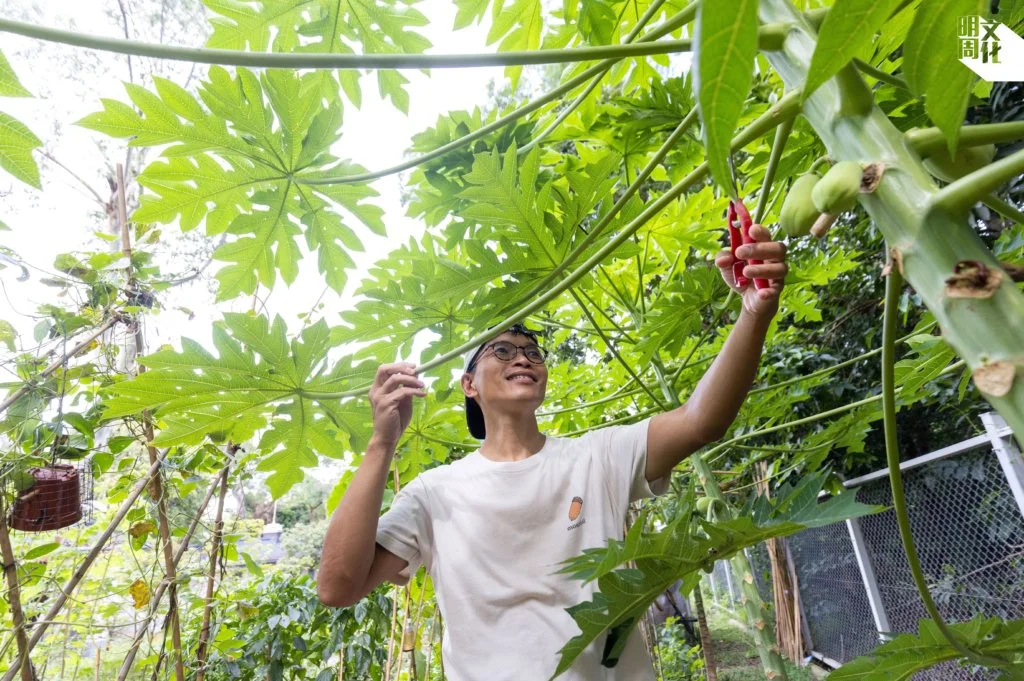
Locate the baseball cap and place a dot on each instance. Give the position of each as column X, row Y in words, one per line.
column 474, row 414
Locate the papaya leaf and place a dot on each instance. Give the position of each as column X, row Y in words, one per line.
column 680, row 549
column 273, row 132
column 932, row 66
column 378, row 26
column 901, row 658
column 518, row 26
column 10, row 86
column 16, row 145
column 724, row 47
column 259, row 379
column 848, row 31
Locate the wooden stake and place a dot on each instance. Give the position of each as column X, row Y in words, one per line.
column 218, row 531
column 157, row 491
column 14, row 598
column 706, row 645
column 142, row 630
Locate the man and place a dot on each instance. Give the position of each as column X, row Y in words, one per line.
column 492, row 528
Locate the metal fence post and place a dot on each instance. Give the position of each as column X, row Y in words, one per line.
column 1008, row 454
column 867, row 573
column 728, row 583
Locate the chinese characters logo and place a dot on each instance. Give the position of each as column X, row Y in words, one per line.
column 978, row 39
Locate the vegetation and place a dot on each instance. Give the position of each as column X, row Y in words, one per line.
column 592, row 211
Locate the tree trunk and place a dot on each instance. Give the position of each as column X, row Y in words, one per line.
column 707, row 646
column 926, row 228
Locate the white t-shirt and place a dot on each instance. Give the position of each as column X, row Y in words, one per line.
column 492, row 536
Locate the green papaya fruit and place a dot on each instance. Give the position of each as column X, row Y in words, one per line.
column 968, row 159
column 703, row 504
column 838, row 189
column 798, row 212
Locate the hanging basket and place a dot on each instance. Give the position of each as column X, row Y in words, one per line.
column 53, row 502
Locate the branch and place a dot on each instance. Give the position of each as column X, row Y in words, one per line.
column 927, row 141
column 159, row 593
column 835, row 367
column 770, row 37
column 816, row 417
column 957, row 197
column 73, row 352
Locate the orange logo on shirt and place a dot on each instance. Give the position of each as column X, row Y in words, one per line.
column 575, row 508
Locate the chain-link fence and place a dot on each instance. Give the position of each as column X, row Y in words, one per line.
column 965, row 504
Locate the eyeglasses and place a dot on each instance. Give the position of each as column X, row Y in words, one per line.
column 506, row 352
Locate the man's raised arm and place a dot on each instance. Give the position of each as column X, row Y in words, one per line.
column 352, row 563
column 715, row 402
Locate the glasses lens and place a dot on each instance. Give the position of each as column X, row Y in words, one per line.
column 505, row 351
column 534, row 354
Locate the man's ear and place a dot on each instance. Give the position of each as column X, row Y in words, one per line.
column 467, row 385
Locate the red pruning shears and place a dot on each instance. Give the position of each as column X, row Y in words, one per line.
column 739, row 223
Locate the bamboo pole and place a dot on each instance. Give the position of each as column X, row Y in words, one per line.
column 83, row 568
column 218, row 529
column 157, row 492
column 14, row 598
column 57, row 364
column 129, row 658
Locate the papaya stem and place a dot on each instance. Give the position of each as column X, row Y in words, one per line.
column 1003, row 208
column 957, row 197
column 927, row 141
column 893, row 288
column 879, row 74
column 769, row 37
column 778, row 146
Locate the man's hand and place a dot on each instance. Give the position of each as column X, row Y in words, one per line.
column 763, row 302
column 391, row 398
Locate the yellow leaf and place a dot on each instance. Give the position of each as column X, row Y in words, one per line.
column 140, row 593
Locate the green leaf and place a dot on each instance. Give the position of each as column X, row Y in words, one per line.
column 679, row 551
column 932, row 66
column 260, row 379
column 848, row 31
column 237, row 159
column 518, row 26
column 724, row 47
column 251, row 565
column 10, row 86
column 901, row 658
column 16, row 145
column 8, row 335
column 80, row 423
column 378, row 26
column 41, row 550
